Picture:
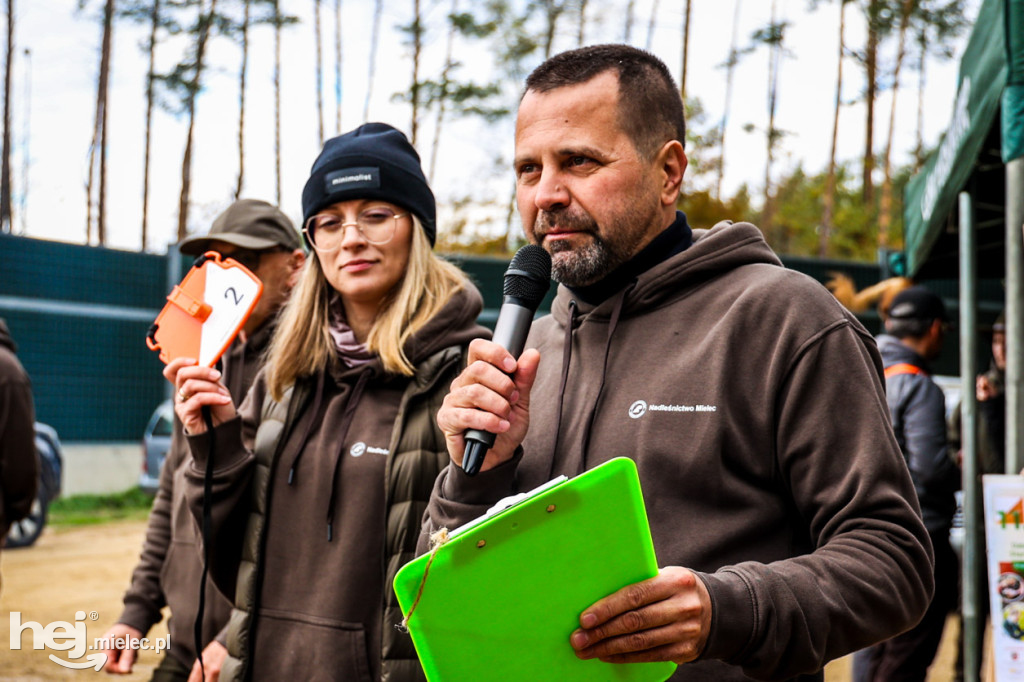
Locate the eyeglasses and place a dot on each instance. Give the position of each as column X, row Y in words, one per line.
column 377, row 226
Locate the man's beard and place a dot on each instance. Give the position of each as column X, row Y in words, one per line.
column 579, row 266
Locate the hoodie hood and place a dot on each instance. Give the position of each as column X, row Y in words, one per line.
column 454, row 325
column 724, row 247
column 895, row 352
column 5, row 337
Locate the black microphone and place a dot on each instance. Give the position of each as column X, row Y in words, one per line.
column 526, row 282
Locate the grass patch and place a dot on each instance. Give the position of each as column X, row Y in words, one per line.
column 84, row 510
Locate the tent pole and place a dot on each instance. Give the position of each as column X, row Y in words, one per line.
column 1014, row 315
column 971, row 571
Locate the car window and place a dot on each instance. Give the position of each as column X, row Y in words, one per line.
column 163, row 426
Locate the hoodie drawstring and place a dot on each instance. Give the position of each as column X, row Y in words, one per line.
column 612, row 324
column 346, row 421
column 566, row 358
column 318, row 398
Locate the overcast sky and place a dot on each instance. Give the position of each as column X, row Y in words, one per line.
column 56, row 84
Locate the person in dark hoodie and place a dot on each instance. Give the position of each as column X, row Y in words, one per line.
column 751, row 400
column 19, row 467
column 916, row 327
column 322, row 476
column 262, row 238
column 990, row 390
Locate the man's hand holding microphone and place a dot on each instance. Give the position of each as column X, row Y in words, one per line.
column 486, row 414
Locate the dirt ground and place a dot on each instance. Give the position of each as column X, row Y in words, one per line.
column 69, row 570
column 87, row 569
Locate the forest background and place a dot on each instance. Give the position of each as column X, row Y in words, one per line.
column 132, row 123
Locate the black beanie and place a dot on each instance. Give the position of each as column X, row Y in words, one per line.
column 374, row 161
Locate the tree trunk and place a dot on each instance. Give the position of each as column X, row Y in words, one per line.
column 337, row 67
column 374, row 36
column 870, row 66
column 629, row 21
column 101, row 210
column 583, row 23
column 154, row 25
column 243, row 72
column 768, row 211
column 26, row 157
column 319, row 73
column 829, row 200
column 651, row 24
column 205, row 19
column 885, row 204
column 729, row 70
column 921, row 80
column 442, row 97
column 277, row 99
column 552, row 9
column 417, row 48
column 6, row 224
column 686, row 50
column 100, row 131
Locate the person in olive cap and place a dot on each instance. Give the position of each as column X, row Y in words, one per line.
column 916, row 327
column 262, row 238
column 323, row 474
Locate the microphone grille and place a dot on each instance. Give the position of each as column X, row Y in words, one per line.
column 529, row 275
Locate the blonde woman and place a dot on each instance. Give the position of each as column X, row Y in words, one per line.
column 321, row 478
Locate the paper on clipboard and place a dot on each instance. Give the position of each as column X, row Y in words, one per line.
column 506, row 503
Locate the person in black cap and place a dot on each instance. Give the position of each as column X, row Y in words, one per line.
column 323, row 474
column 262, row 238
column 916, row 327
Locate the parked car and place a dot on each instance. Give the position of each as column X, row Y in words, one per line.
column 25, row 532
column 156, row 442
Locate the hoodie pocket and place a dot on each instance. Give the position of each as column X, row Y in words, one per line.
column 299, row 646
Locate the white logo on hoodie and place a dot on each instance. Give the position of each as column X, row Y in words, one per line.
column 359, row 449
column 640, row 407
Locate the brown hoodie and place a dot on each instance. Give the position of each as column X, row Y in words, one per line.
column 170, row 565
column 19, row 467
column 317, row 502
column 753, row 405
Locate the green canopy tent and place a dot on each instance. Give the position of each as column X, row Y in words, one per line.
column 964, row 214
column 986, row 131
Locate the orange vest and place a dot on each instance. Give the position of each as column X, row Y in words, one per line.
column 903, row 368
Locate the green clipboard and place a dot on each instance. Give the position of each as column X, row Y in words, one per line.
column 502, row 596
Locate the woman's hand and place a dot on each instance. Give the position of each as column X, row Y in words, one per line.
column 194, row 387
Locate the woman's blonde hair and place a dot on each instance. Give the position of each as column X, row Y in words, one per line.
column 302, row 344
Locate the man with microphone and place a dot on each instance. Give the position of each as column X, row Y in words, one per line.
column 751, row 401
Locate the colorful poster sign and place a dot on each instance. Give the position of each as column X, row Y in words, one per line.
column 1004, row 535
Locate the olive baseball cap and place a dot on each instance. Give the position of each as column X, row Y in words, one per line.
column 248, row 224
